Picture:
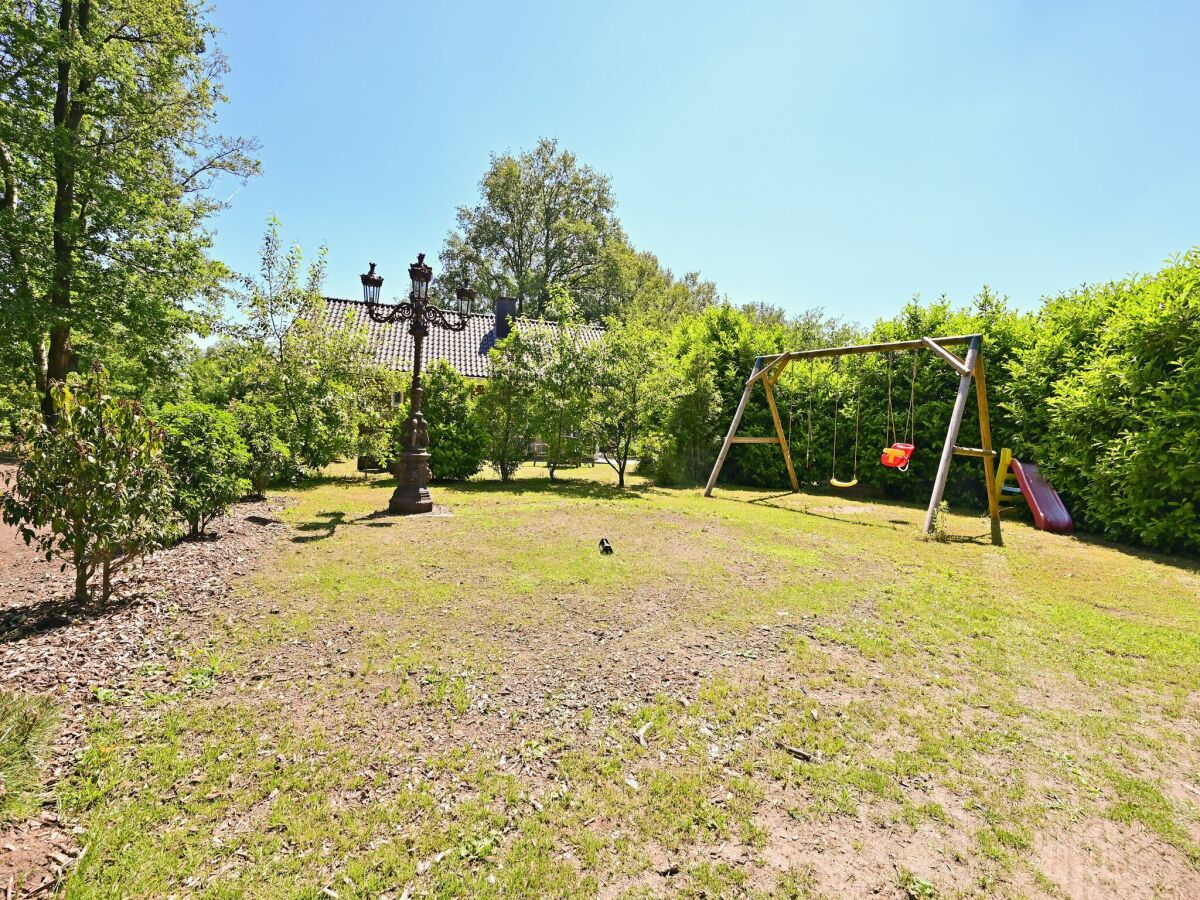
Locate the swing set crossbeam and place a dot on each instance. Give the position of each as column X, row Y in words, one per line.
column 771, row 362
column 768, row 369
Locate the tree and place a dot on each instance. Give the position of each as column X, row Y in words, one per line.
column 208, row 461
column 94, row 489
column 258, row 426
column 628, row 391
column 107, row 156
column 457, row 437
column 506, row 405
column 565, row 372
column 319, row 377
column 543, row 220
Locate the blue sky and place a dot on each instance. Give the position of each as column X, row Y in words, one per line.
column 836, row 155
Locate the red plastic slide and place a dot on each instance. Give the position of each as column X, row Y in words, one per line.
column 1049, row 513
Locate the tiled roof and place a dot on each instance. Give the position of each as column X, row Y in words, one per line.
column 466, row 350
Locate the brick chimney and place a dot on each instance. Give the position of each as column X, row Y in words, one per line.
column 506, row 314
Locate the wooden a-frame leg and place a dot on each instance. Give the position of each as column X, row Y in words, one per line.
column 956, row 417
column 769, row 383
column 985, row 441
column 733, row 427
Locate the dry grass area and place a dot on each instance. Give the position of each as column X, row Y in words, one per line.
column 758, row 694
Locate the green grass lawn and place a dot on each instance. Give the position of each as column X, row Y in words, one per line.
column 757, row 694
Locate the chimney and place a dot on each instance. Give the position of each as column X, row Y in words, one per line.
column 506, row 314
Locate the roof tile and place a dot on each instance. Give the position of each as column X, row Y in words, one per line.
column 466, row 350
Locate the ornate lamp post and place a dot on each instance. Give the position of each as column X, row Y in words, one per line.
column 411, row 467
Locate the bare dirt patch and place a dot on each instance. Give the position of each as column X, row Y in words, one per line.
column 1105, row 859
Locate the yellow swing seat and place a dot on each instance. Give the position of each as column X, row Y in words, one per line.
column 843, row 484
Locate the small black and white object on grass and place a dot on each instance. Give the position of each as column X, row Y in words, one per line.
column 605, row 547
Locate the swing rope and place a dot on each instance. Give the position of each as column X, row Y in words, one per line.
column 889, row 422
column 808, row 449
column 912, row 401
column 833, row 479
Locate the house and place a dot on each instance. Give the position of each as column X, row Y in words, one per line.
column 466, row 350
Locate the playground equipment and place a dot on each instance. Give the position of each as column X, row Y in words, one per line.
column 899, row 455
column 1049, row 511
column 833, row 479
column 767, row 370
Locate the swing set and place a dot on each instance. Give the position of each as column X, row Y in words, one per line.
column 898, row 454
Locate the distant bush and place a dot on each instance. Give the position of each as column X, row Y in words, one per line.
column 1108, row 394
column 456, row 435
column 18, row 405
column 95, row 489
column 208, row 461
column 269, row 458
column 506, row 406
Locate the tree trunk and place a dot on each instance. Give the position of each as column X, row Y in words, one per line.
column 69, row 109
column 81, row 580
column 106, row 580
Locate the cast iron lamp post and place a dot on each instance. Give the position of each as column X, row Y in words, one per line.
column 411, row 466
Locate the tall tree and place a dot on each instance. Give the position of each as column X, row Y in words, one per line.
column 629, row 390
column 107, row 159
column 543, row 221
column 321, row 378
column 565, row 372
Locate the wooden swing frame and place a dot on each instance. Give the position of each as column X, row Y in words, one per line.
column 768, row 369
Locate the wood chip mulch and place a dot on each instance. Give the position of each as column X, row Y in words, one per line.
column 50, row 645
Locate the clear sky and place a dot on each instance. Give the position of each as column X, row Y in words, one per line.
column 841, row 155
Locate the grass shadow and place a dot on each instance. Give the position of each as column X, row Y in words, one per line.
column 323, row 527
column 1187, row 564
column 319, row 481
column 578, row 489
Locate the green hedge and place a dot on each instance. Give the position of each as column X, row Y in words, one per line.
column 1107, row 395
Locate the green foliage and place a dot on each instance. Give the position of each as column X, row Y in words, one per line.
column 107, row 159
column 268, row 457
column 18, row 403
column 25, row 726
column 457, row 437
column 319, row 377
column 566, row 370
column 1107, row 390
column 506, row 405
column 543, row 221
column 629, row 390
column 208, row 460
column 377, row 415
column 94, row 490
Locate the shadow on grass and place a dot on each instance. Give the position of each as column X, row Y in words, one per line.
column 764, row 501
column 1185, row 563
column 323, row 527
column 318, row 481
column 578, row 489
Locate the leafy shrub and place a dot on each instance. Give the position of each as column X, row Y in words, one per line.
column 456, row 435
column 208, row 461
column 258, row 425
column 18, row 405
column 506, row 406
column 95, row 489
column 1108, row 389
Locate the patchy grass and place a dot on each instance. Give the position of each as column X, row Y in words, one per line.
column 753, row 696
column 25, row 727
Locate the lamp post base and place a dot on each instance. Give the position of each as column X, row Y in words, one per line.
column 412, row 495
